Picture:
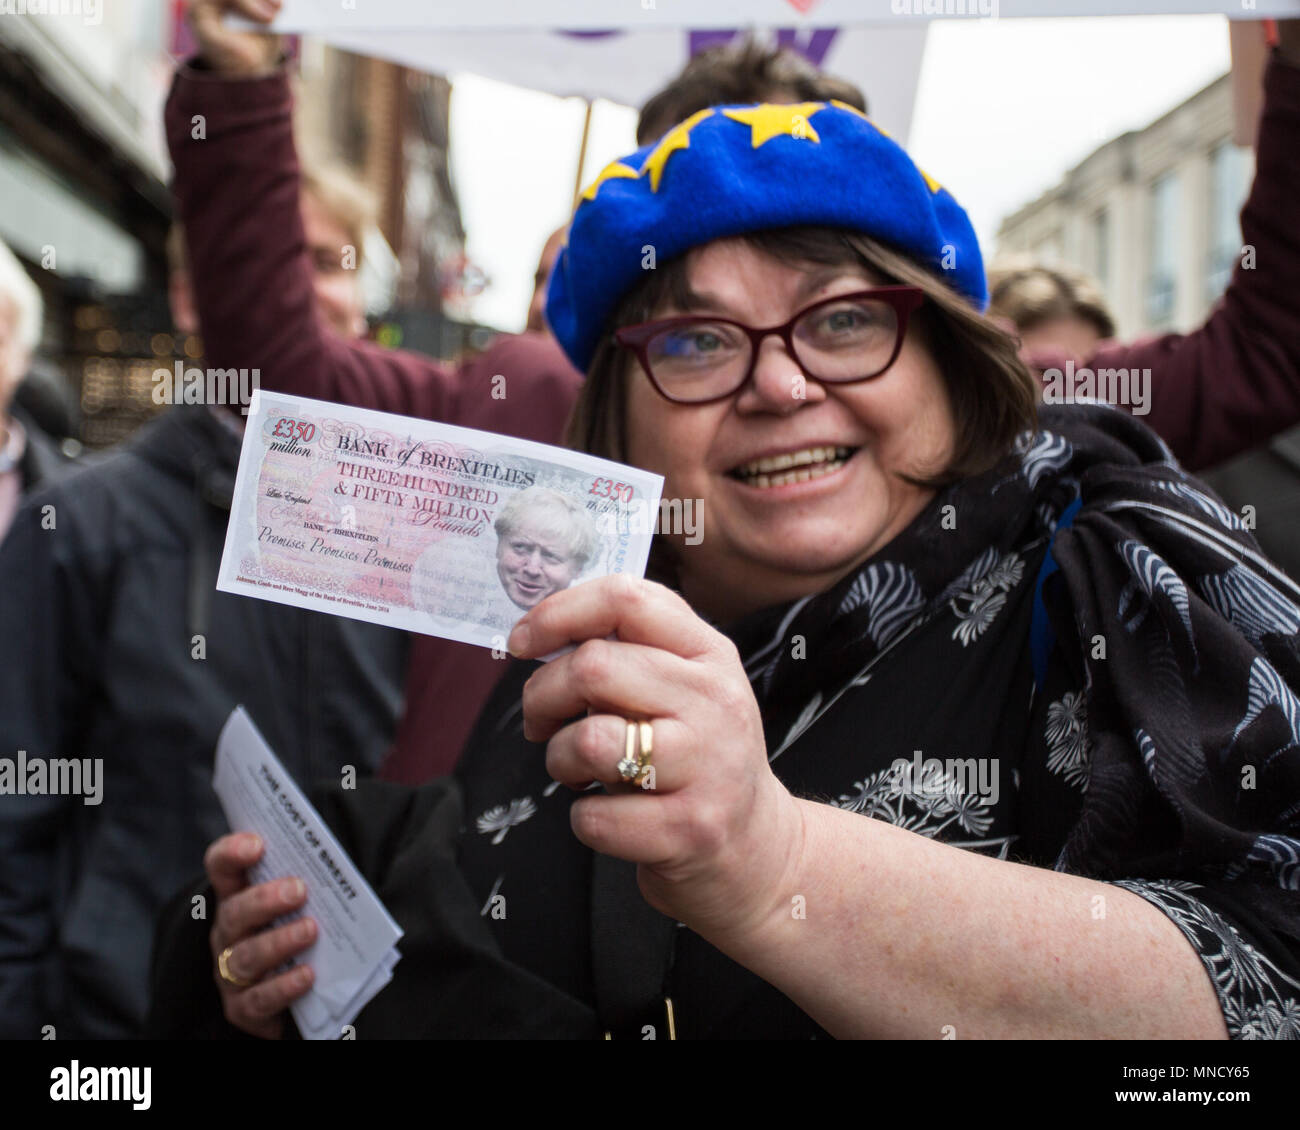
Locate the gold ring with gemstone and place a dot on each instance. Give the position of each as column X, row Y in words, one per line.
column 635, row 765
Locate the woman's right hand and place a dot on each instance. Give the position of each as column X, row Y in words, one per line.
column 230, row 51
column 240, row 922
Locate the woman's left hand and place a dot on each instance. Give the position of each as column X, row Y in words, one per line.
column 716, row 834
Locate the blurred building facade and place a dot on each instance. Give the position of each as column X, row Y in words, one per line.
column 84, row 201
column 85, row 204
column 1152, row 214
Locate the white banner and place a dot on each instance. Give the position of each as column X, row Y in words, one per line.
column 601, row 15
column 628, row 67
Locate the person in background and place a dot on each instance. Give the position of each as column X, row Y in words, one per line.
column 45, row 398
column 1268, row 481
column 27, row 455
column 537, row 304
column 236, row 192
column 336, row 211
column 1050, row 308
column 741, row 71
column 1058, row 311
column 131, row 656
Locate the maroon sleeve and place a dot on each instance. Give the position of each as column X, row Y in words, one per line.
column 522, row 385
column 237, row 194
column 1235, row 382
column 447, row 686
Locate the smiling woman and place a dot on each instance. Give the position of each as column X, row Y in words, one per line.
column 898, row 564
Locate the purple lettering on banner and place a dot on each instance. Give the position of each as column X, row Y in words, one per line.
column 819, row 42
column 703, row 40
column 812, row 45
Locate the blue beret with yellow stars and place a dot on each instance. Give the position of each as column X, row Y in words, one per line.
column 730, row 170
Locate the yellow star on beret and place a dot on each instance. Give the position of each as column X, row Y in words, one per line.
column 613, row 171
column 679, row 137
column 769, row 121
column 933, row 184
column 854, row 110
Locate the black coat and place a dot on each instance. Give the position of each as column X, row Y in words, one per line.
column 43, row 460
column 101, row 617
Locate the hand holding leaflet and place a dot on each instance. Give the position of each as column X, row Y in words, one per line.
column 354, row 954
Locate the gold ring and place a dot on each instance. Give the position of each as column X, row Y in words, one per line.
column 630, row 766
column 223, row 968
column 635, row 765
column 647, row 735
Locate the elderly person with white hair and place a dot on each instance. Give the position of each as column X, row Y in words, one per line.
column 26, row 455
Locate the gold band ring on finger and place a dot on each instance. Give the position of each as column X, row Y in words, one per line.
column 223, row 967
column 635, row 767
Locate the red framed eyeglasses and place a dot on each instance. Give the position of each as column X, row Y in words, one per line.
column 700, row 358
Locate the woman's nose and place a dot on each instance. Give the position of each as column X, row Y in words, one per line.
column 778, row 384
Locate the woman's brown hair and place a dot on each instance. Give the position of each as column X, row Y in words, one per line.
column 990, row 391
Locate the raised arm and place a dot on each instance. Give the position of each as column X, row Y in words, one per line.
column 230, row 132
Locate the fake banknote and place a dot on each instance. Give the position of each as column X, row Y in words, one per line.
column 423, row 526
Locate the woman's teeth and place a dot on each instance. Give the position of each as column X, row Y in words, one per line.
column 793, row 467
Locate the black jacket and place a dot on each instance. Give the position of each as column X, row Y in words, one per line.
column 43, row 460
column 117, row 646
column 1268, row 480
